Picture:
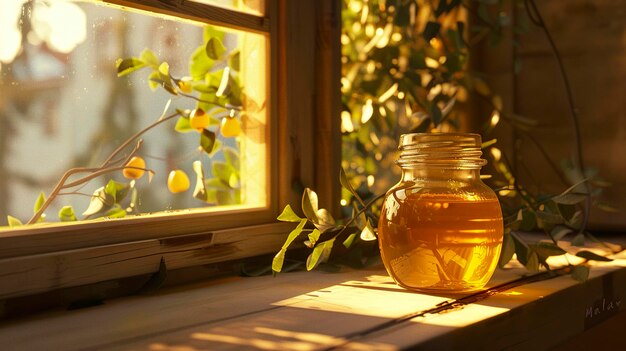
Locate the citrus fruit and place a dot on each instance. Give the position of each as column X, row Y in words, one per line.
column 184, row 84
column 134, row 173
column 199, row 120
column 178, row 181
column 231, row 127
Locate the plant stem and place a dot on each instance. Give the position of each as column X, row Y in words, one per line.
column 104, row 168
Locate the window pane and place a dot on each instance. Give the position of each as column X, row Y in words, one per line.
column 255, row 7
column 62, row 106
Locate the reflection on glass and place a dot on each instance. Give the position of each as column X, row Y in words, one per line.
column 62, row 106
column 255, row 7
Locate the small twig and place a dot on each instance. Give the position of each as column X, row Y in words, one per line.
column 238, row 108
column 135, row 136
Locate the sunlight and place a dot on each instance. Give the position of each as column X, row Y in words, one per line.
column 462, row 317
column 285, row 340
column 363, row 298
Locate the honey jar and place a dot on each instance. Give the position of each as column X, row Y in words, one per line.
column 440, row 228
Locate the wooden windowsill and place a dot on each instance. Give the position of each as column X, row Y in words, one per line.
column 353, row 310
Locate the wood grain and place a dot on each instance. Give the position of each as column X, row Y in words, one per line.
column 199, row 12
column 314, row 311
column 29, row 275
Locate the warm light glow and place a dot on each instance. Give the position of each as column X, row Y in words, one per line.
column 367, row 111
column 432, row 63
column 400, row 95
column 345, row 40
column 370, row 180
column 496, row 153
column 346, row 122
column 343, row 202
column 361, row 297
column 495, row 118
column 396, row 37
column 465, row 316
column 436, row 43
column 389, row 93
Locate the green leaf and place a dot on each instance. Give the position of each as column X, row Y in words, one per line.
column 14, row 222
column 349, row 240
column 549, row 218
column 149, row 58
column 367, row 234
column 116, row 212
column 223, row 172
column 580, row 273
column 277, row 262
column 66, row 214
column 579, row 240
column 569, row 199
column 431, row 30
column 200, row 191
column 527, row 220
column 435, row 114
column 310, row 205
column 158, row 78
column 546, row 249
column 128, row 65
column 100, row 201
column 588, row 255
column 183, row 125
column 39, row 202
column 232, row 157
column 343, row 179
column 320, row 254
column 508, row 249
column 288, row 215
column 199, row 64
column 532, row 264
column 207, row 141
column 559, row 232
column 234, row 61
column 116, row 190
column 214, row 48
column 314, row 236
column 521, row 250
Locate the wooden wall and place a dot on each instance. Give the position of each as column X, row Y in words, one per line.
column 591, row 37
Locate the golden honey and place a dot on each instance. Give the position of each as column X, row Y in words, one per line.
column 440, row 228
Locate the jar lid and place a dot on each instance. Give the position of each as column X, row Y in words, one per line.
column 441, row 150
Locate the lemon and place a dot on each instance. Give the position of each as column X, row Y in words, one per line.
column 199, row 120
column 231, row 127
column 134, row 173
column 184, row 84
column 178, row 181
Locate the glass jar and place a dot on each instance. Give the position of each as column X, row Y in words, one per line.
column 441, row 227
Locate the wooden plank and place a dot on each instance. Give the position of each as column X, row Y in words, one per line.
column 320, row 311
column 296, row 89
column 38, row 273
column 327, row 138
column 199, row 12
column 40, row 239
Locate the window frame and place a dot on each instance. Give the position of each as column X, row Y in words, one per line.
column 304, row 137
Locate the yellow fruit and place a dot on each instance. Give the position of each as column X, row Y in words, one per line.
column 199, row 120
column 178, row 181
column 184, row 84
column 134, row 173
column 231, row 127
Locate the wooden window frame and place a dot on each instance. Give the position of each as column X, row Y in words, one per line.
column 304, row 107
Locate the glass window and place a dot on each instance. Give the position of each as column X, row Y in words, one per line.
column 198, row 92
